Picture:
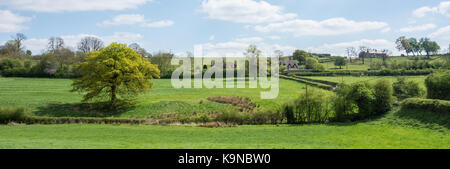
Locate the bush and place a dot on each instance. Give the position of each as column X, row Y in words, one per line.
column 363, row 96
column 343, row 106
column 432, row 105
column 234, row 117
column 8, row 114
column 311, row 63
column 376, row 65
column 406, row 89
column 311, row 108
column 438, row 86
column 383, row 96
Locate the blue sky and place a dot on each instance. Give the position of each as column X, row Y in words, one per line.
column 221, row 26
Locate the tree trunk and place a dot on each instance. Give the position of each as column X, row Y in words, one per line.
column 113, row 96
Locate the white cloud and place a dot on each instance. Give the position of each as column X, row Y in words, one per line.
column 422, row 11
column 212, row 37
column 71, row 41
column 418, row 28
column 131, row 19
column 249, row 39
column 237, row 47
column 10, row 22
column 442, row 33
column 72, row 5
column 125, row 19
column 244, row 11
column 333, row 26
column 338, row 49
column 274, row 37
column 443, row 8
column 386, row 30
column 158, row 24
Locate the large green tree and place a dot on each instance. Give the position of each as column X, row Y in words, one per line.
column 340, row 61
column 301, row 56
column 429, row 46
column 114, row 72
column 403, row 44
column 415, row 46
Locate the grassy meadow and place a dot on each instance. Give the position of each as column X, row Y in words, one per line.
column 373, row 134
column 353, row 79
column 51, row 97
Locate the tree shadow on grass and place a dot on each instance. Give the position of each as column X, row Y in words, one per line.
column 101, row 109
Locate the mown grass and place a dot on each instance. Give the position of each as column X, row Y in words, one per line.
column 398, row 129
column 342, row 135
column 51, row 97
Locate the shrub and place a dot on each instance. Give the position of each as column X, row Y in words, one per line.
column 266, row 117
column 343, row 106
column 308, row 108
column 234, row 117
column 406, row 89
column 383, row 96
column 311, row 63
column 432, row 105
column 9, row 114
column 376, row 65
column 438, row 85
column 363, row 96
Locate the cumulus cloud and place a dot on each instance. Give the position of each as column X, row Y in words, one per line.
column 333, row 26
column 443, row 8
column 386, row 30
column 237, row 47
column 132, row 19
column 418, row 28
column 72, row 5
column 442, row 33
column 338, row 49
column 158, row 24
column 37, row 45
column 244, row 11
column 125, row 19
column 10, row 22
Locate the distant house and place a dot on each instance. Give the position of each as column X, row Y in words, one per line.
column 289, row 62
column 374, row 54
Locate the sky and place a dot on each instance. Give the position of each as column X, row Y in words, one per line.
column 224, row 26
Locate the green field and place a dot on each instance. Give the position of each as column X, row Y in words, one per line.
column 353, row 79
column 346, row 135
column 357, row 64
column 51, row 97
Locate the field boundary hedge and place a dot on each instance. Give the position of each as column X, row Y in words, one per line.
column 385, row 72
column 432, row 105
column 311, row 83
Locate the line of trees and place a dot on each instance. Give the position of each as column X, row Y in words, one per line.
column 60, row 61
column 416, row 47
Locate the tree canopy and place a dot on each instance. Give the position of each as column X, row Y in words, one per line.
column 340, row 61
column 301, row 56
column 114, row 72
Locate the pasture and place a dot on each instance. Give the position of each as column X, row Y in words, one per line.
column 51, row 97
column 353, row 79
column 377, row 134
